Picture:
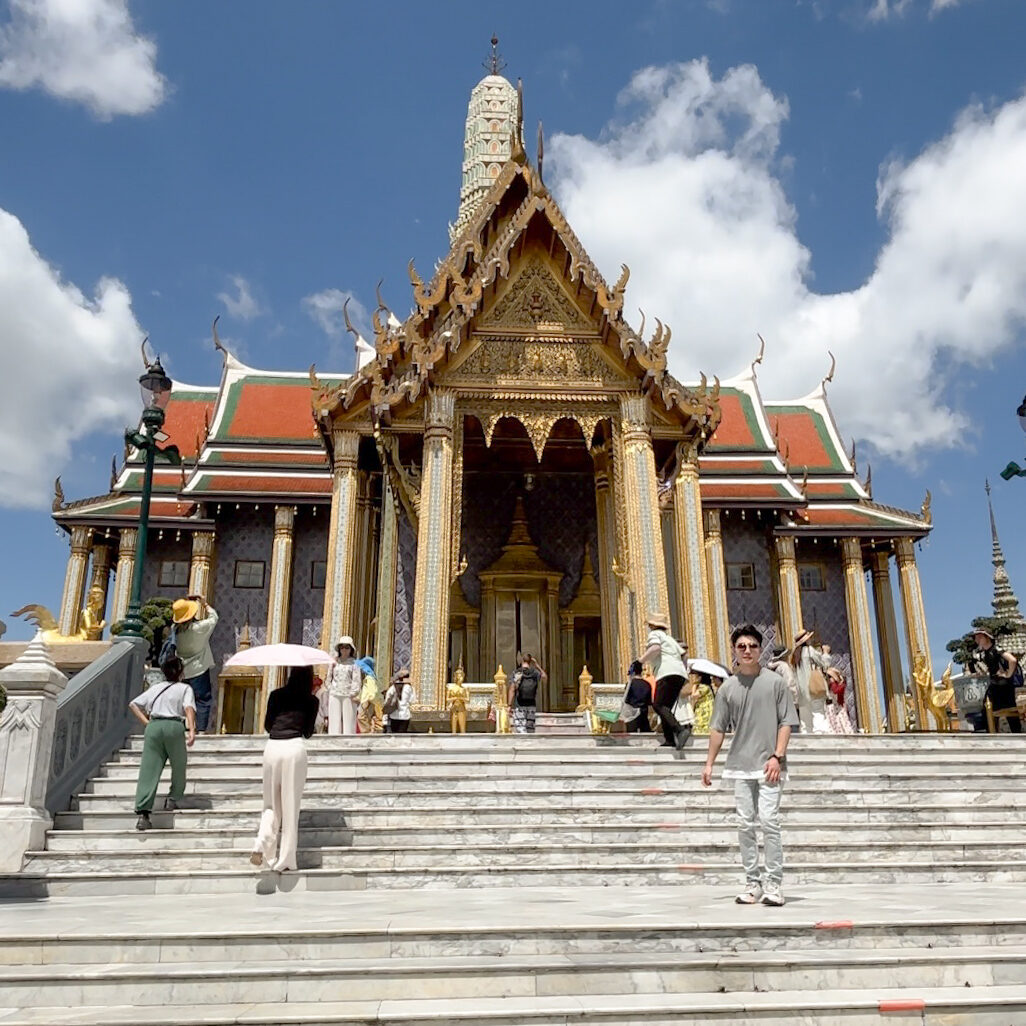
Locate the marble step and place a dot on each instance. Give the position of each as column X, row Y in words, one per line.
column 346, row 814
column 937, row 1006
column 95, row 881
column 170, row 833
column 395, row 978
column 151, row 856
column 637, row 799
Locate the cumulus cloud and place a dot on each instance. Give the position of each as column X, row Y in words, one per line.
column 882, row 10
column 71, row 366
column 684, row 186
column 243, row 305
column 325, row 309
column 87, row 51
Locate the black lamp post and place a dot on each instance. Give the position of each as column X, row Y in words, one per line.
column 156, row 391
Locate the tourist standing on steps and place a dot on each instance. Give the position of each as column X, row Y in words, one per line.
column 194, row 622
column 398, row 700
column 810, row 665
column 345, row 679
column 523, row 694
column 755, row 706
column 638, row 699
column 370, row 716
column 779, row 663
column 168, row 711
column 1001, row 668
column 291, row 717
column 666, row 657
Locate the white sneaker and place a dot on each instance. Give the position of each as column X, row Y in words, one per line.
column 750, row 895
column 773, row 896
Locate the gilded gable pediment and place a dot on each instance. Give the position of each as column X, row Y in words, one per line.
column 536, row 302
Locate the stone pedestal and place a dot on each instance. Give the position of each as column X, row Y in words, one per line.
column 32, row 683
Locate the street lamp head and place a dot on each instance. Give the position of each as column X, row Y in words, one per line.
column 155, row 386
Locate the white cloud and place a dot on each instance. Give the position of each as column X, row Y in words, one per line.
column 243, row 305
column 71, row 366
column 87, row 51
column 325, row 308
column 685, row 189
column 882, row 10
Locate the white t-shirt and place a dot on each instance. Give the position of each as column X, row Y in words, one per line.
column 166, row 700
column 671, row 655
column 402, row 711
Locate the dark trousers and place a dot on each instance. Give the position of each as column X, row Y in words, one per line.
column 398, row 726
column 1002, row 696
column 640, row 724
column 204, row 695
column 666, row 694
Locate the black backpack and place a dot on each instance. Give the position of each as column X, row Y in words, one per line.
column 527, row 687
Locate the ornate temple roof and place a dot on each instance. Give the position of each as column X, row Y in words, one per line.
column 1005, row 602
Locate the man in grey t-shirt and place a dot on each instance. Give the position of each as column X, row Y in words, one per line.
column 756, row 706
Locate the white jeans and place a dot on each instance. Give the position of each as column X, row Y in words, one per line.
column 284, row 777
column 758, row 803
column 342, row 715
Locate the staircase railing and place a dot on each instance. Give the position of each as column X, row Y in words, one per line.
column 93, row 718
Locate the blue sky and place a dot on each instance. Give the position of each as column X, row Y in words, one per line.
column 837, row 174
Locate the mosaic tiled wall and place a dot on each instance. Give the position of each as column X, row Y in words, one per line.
column 826, row 613
column 310, row 543
column 747, row 541
column 163, row 546
column 245, row 533
column 405, row 571
column 560, row 519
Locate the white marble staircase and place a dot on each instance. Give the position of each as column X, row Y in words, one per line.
column 532, row 880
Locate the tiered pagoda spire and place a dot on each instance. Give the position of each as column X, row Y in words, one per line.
column 1005, row 602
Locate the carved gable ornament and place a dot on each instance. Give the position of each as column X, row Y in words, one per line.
column 536, row 303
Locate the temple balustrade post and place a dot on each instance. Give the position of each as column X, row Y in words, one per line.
column 887, row 635
column 689, row 555
column 387, row 553
column 860, row 634
column 647, row 567
column 75, row 580
column 788, row 595
column 434, row 552
column 716, row 569
column 279, row 599
column 127, row 544
column 916, row 637
column 201, row 563
column 340, row 572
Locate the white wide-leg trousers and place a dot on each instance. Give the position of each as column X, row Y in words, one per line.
column 284, row 777
column 341, row 715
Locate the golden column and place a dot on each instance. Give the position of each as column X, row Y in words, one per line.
column 788, row 595
column 280, row 591
column 611, row 588
column 434, row 553
column 388, row 549
column 641, row 504
column 716, row 568
column 860, row 633
column 473, row 669
column 75, row 579
column 201, row 563
column 690, row 555
column 887, row 633
column 100, row 576
column 127, row 545
column 363, row 610
column 916, row 638
column 340, row 572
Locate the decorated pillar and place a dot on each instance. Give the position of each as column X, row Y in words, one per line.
column 887, row 634
column 340, row 572
column 127, row 544
column 280, row 592
column 716, row 570
column 788, row 596
column 74, row 580
column 690, row 555
column 860, row 634
column 434, row 552
column 387, row 549
column 200, row 576
column 647, row 567
column 916, row 638
column 610, row 586
column 99, row 579
column 473, row 670
column 365, row 556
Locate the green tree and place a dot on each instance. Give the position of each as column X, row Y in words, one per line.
column 156, row 616
column 961, row 649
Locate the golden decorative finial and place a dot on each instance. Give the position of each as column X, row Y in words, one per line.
column 517, row 150
column 851, row 457
column 868, row 483
column 146, row 360
column 924, row 510
column 641, row 330
column 541, row 153
column 58, row 495
column 113, row 471
column 315, row 382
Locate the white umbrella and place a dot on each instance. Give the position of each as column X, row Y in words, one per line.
column 279, row 655
column 709, row 667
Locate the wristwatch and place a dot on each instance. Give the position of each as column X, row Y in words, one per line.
column 779, row 758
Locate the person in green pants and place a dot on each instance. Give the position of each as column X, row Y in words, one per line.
column 168, row 711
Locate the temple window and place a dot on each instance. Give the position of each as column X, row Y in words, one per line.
column 318, row 573
column 811, row 577
column 174, row 573
column 249, row 573
column 741, row 577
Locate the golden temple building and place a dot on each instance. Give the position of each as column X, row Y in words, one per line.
column 513, row 468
